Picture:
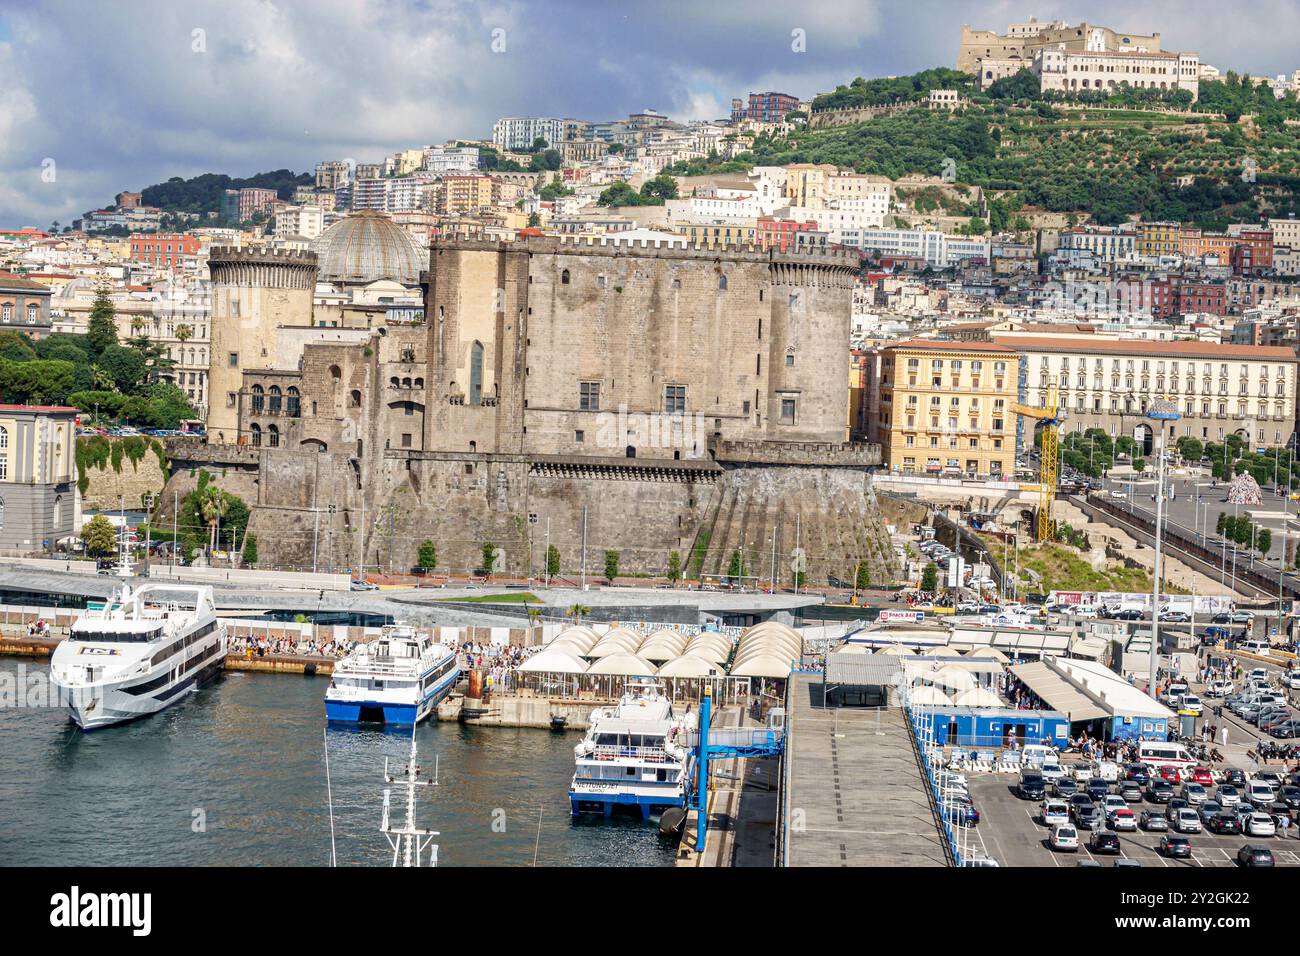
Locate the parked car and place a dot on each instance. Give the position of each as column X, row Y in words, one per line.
column 1186, row 820
column 1065, row 787
column 1160, row 791
column 1175, row 846
column 1030, row 786
column 1254, row 855
column 1234, row 776
column 1289, row 795
column 1224, row 823
column 1153, row 820
column 1219, row 688
column 1227, row 795
column 1097, row 788
column 1259, row 793
column 1171, row 775
column 1123, row 819
column 1064, row 838
column 1130, row 790
column 1203, row 776
column 1194, row 793
column 1175, row 617
column 1104, row 841
column 1054, row 813
column 1261, row 825
column 1137, row 772
column 1208, row 810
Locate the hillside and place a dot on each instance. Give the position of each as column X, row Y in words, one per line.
column 1108, row 159
column 202, row 194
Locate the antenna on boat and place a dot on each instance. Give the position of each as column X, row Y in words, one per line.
column 329, row 795
column 409, row 841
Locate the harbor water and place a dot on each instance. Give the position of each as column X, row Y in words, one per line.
column 235, row 775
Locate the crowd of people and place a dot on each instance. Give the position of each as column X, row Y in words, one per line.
column 264, row 645
column 497, row 661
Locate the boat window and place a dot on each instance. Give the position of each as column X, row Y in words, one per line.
column 115, row 637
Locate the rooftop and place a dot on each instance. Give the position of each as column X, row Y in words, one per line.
column 1165, row 349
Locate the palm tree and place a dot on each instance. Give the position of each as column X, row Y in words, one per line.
column 184, row 333
column 100, row 379
column 576, row 611
column 214, row 504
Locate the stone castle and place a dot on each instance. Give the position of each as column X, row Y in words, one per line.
column 640, row 396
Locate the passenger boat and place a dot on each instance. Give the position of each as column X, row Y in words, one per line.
column 138, row 653
column 634, row 755
column 396, row 679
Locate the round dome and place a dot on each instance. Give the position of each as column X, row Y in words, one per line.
column 365, row 246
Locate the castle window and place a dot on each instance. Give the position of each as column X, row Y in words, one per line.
column 476, row 374
column 336, row 373
column 675, row 399
column 354, row 400
column 259, row 399
column 275, row 400
column 294, row 401
column 406, row 383
column 274, row 436
column 787, row 411
column 256, row 431
column 722, row 283
column 395, row 382
column 578, row 436
column 419, row 383
column 234, row 360
column 789, row 359
column 589, row 396
column 406, row 439
column 564, row 277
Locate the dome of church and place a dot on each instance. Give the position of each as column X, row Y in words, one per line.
column 365, row 246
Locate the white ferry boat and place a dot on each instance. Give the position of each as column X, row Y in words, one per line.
column 396, row 679
column 634, row 755
column 138, row 654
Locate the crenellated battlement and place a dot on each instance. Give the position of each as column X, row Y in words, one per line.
column 263, row 268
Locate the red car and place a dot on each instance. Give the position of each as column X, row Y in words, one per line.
column 1171, row 774
column 1203, row 776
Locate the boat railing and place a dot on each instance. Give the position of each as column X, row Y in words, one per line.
column 617, row 751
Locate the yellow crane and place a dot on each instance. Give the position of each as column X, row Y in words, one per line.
column 1050, row 415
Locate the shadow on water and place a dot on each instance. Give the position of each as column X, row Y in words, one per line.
column 235, row 775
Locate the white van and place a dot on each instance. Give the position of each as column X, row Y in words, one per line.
column 1263, row 648
column 1035, row 755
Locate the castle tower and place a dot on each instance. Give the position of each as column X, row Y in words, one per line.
column 253, row 294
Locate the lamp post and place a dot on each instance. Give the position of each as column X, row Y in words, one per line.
column 1160, row 411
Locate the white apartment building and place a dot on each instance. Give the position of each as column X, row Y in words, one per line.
column 770, row 184
column 708, row 208
column 305, row 221
column 1220, row 389
column 1106, row 243
column 520, row 132
column 1073, row 71
column 936, row 248
column 1286, row 232
column 450, row 159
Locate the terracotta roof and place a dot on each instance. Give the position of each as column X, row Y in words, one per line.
column 1178, row 349
column 947, row 345
column 11, row 280
column 47, row 409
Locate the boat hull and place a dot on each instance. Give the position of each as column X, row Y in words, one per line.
column 608, row 803
column 105, row 706
column 388, row 713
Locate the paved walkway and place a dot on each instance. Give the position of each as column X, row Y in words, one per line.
column 856, row 794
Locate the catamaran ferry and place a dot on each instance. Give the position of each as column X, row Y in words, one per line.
column 396, row 679
column 139, row 653
column 634, row 755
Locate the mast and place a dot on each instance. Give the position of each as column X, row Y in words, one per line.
column 409, row 841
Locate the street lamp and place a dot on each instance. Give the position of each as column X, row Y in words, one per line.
column 1160, row 411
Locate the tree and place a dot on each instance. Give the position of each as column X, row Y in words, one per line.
column 1221, row 525
column 249, row 554
column 930, row 577
column 490, row 556
column 428, row 555
column 1263, row 541
column 99, row 536
column 1139, row 465
column 552, row 560
column 1190, row 449
column 735, row 568
column 611, row 566
column 674, row 566
column 578, row 612
column 214, row 504
column 184, row 333
column 101, row 332
column 126, row 366
column 862, row 579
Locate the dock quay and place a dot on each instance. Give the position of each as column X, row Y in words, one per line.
column 523, row 709
column 854, row 790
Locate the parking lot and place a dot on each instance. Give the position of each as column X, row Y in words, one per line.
column 1009, row 831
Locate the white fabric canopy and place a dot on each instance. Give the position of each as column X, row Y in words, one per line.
column 623, row 665
column 690, row 666
column 554, row 661
column 763, row 665
column 978, row 697
column 931, row 696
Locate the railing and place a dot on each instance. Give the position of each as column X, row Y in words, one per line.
column 615, row 752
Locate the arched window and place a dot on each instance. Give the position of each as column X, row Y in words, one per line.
column 259, row 399
column 395, row 382
column 354, row 400
column 257, row 435
column 4, row 438
column 336, row 373
column 722, row 283
column 406, row 383
column 58, row 510
column 564, row 277
column 294, row 401
column 274, row 403
column 274, row 436
column 476, row 374
column 419, row 383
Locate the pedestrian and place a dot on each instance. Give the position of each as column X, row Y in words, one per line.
column 1223, row 736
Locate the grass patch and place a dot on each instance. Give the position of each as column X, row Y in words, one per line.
column 511, row 597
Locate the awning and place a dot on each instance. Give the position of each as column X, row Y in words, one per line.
column 1058, row 692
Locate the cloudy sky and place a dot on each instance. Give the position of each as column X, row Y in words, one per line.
column 97, row 96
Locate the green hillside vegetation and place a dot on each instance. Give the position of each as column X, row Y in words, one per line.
column 1104, row 156
column 202, row 194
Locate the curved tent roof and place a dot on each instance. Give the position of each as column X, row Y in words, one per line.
column 931, row 696
column 661, row 651
column 623, row 664
column 763, row 665
column 555, row 661
column 978, row 697
column 691, row 665
column 705, row 652
column 584, row 636
column 619, row 637
column 898, row 650
column 951, row 676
